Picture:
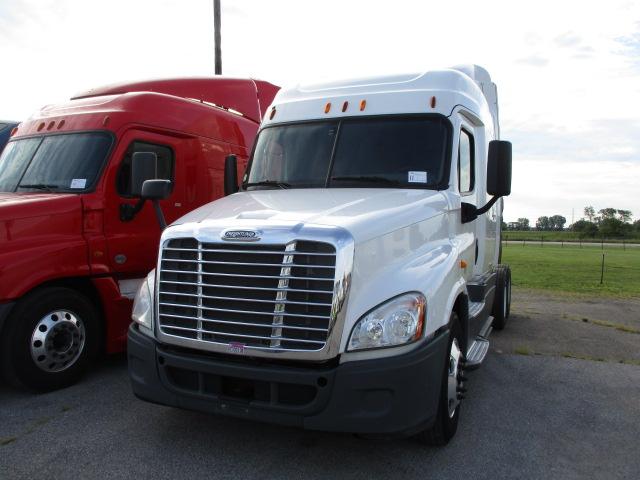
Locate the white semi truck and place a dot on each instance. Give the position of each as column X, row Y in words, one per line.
column 354, row 276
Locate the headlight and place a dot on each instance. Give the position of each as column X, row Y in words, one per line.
column 395, row 322
column 143, row 302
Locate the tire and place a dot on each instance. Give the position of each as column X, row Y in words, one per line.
column 502, row 299
column 50, row 339
column 446, row 422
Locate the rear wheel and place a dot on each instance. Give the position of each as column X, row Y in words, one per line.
column 451, row 392
column 502, row 299
column 50, row 338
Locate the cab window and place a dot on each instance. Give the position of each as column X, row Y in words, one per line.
column 165, row 165
column 466, row 159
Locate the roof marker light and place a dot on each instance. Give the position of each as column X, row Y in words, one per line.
column 51, row 124
column 345, row 105
column 61, row 124
column 363, row 104
column 273, row 113
column 105, row 121
column 327, row 107
column 41, row 126
column 14, row 130
column 433, row 102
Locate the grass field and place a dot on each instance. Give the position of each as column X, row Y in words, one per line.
column 575, row 270
column 566, row 236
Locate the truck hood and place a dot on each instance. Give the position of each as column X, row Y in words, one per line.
column 365, row 212
column 14, row 206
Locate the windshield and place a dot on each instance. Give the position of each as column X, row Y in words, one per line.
column 54, row 163
column 398, row 152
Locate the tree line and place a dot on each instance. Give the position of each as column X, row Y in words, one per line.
column 607, row 222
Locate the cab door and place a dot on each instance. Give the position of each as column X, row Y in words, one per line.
column 133, row 244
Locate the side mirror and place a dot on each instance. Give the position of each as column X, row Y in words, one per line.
column 144, row 166
column 230, row 175
column 156, row 189
column 146, row 185
column 498, row 179
column 499, row 168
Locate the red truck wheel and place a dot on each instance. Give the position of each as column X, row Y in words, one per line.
column 50, row 338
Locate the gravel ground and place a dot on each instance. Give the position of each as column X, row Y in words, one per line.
column 534, row 415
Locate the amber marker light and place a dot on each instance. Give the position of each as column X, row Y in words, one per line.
column 41, row 126
column 273, row 113
column 50, row 126
column 345, row 105
column 327, row 107
column 363, row 105
column 422, row 310
column 463, row 264
column 14, row 130
column 433, row 102
column 105, row 121
column 61, row 124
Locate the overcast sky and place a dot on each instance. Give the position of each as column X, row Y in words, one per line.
column 568, row 73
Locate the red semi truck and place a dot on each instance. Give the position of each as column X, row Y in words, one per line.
column 74, row 242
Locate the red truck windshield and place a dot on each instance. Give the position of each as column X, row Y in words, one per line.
column 54, row 163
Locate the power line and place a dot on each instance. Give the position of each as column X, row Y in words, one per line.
column 217, row 36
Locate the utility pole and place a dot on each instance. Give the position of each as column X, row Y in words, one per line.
column 216, row 26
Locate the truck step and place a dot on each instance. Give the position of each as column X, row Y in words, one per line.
column 477, row 353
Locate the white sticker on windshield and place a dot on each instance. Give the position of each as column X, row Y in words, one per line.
column 417, row 177
column 78, row 183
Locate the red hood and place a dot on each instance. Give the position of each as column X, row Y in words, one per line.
column 14, row 206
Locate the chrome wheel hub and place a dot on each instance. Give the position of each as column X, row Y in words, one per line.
column 57, row 341
column 453, row 374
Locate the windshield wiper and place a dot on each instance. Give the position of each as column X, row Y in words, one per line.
column 268, row 183
column 40, row 186
column 369, row 179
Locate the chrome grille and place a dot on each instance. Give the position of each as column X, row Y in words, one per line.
column 249, row 295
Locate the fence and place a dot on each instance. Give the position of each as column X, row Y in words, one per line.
column 590, row 242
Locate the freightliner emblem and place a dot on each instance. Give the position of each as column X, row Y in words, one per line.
column 241, row 235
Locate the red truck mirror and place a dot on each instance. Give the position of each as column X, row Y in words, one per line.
column 230, row 175
column 146, row 185
column 144, row 166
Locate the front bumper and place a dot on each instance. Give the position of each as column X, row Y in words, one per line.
column 394, row 395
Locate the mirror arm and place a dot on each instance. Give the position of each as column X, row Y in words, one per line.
column 159, row 215
column 471, row 212
column 489, row 204
column 128, row 211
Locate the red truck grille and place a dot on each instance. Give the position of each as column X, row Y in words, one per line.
column 247, row 295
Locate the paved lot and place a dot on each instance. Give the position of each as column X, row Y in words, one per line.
column 533, row 415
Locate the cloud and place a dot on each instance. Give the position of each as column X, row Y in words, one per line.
column 534, row 61
column 610, row 139
column 557, row 108
column 564, row 187
column 567, row 39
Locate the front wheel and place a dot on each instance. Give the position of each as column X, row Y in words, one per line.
column 50, row 338
column 502, row 299
column 451, row 391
